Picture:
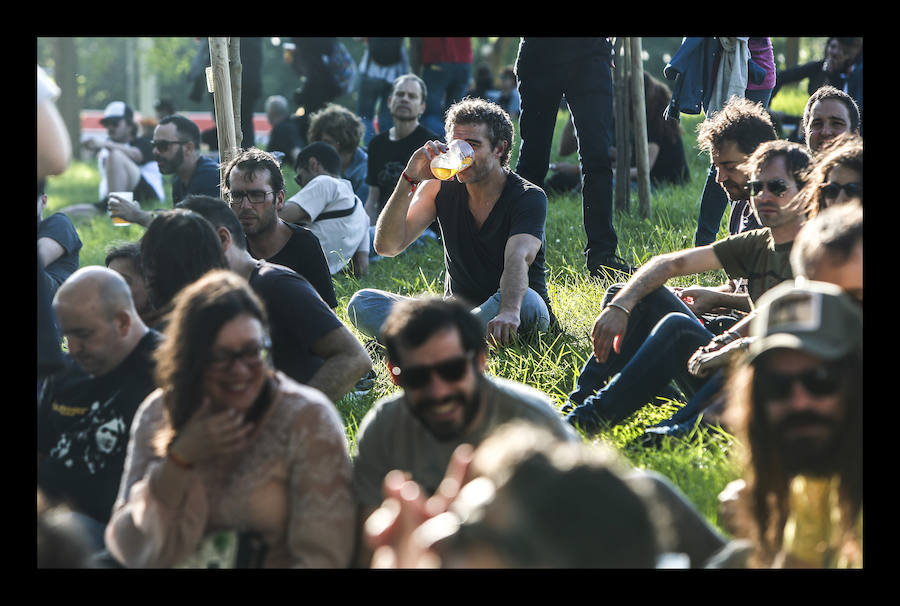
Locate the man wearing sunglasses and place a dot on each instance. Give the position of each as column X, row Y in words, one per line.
column 796, row 404
column 436, row 352
column 760, row 256
column 176, row 149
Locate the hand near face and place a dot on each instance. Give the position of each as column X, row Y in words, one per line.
column 419, row 165
column 210, row 434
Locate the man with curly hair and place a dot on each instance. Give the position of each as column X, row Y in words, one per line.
column 343, row 130
column 492, row 227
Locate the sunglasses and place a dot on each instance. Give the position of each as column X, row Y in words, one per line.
column 820, row 381
column 451, row 370
column 776, row 187
column 163, row 145
column 833, row 190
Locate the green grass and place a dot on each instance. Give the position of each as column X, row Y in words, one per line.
column 701, row 466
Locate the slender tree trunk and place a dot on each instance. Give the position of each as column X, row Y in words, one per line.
column 622, row 117
column 639, row 112
column 222, row 99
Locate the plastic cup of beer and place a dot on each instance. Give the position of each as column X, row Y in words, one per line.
column 457, row 157
column 119, row 221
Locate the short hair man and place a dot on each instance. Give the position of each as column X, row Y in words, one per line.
column 796, row 404
column 85, row 410
column 125, row 159
column 327, row 204
column 309, row 343
column 125, row 259
column 343, row 130
column 829, row 248
column 390, row 150
column 256, row 176
column 829, row 112
column 761, row 256
column 176, row 149
column 436, row 352
column 492, row 223
column 285, row 136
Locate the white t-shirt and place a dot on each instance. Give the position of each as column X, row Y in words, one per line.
column 340, row 237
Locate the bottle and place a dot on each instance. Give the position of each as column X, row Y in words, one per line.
column 458, row 157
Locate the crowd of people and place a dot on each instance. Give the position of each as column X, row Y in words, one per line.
column 187, row 389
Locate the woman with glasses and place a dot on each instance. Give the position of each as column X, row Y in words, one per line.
column 836, row 177
column 230, row 449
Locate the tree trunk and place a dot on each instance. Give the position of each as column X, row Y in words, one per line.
column 620, row 102
column 68, row 103
column 222, row 99
column 639, row 112
column 791, row 52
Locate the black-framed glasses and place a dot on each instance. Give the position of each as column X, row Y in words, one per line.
column 776, row 187
column 163, row 145
column 450, row 370
column 252, row 356
column 821, row 381
column 256, row 196
column 833, row 190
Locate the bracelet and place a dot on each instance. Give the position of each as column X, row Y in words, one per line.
column 178, row 460
column 617, row 306
column 410, row 181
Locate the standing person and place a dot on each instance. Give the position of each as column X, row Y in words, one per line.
column 125, row 160
column 176, row 148
column 333, row 212
column 445, row 65
column 796, row 405
column 383, row 62
column 579, row 69
column 492, row 225
column 712, row 200
column 254, row 173
column 227, row 443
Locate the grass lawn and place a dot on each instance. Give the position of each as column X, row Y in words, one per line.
column 701, row 466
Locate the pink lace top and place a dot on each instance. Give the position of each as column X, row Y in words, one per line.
column 292, row 485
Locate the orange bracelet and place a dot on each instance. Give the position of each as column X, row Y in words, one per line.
column 178, row 460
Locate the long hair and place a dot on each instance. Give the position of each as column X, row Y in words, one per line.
column 765, row 505
column 844, row 150
column 200, row 311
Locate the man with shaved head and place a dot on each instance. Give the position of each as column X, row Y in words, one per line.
column 85, row 410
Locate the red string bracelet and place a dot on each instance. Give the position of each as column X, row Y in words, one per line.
column 410, row 181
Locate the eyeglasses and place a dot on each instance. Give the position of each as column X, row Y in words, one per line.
column 776, row 187
column 414, row 377
column 833, row 190
column 252, row 356
column 163, row 145
column 820, row 381
column 235, row 198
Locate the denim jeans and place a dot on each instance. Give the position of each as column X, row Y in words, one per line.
column 373, row 92
column 587, row 86
column 446, row 84
column 369, row 308
column 662, row 358
column 713, row 200
column 644, row 317
column 679, row 424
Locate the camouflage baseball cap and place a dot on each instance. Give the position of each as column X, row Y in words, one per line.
column 814, row 317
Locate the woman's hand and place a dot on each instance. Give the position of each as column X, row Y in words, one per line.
column 210, row 434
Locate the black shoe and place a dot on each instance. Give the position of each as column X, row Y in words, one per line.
column 365, row 384
column 611, row 267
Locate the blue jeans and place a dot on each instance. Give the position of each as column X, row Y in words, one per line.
column 587, row 86
column 681, row 423
column 446, row 84
column 713, row 200
column 372, row 92
column 644, row 317
column 369, row 308
column 662, row 358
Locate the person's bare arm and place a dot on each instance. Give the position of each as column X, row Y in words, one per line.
column 49, row 250
column 613, row 320
column 129, row 210
column 521, row 249
column 54, row 147
column 346, row 361
column 293, row 213
column 371, row 204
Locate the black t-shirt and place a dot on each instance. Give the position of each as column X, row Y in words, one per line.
column 298, row 317
column 286, row 137
column 204, row 181
column 59, row 227
column 83, row 429
column 387, row 159
column 303, row 253
column 474, row 257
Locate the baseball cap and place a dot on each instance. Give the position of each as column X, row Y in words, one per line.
column 116, row 110
column 817, row 318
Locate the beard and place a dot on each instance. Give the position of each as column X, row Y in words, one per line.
column 804, row 453
column 446, row 430
column 167, row 167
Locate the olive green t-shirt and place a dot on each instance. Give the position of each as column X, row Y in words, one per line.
column 755, row 256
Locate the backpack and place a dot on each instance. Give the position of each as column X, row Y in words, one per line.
column 342, row 67
column 385, row 51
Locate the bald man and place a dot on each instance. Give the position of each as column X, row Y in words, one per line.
column 85, row 410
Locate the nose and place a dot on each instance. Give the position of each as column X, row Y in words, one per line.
column 800, row 398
